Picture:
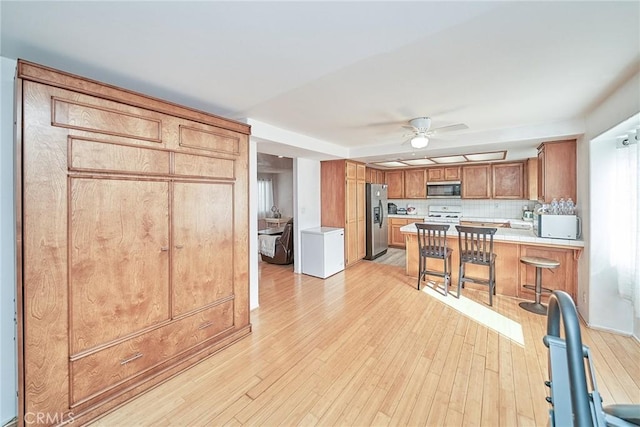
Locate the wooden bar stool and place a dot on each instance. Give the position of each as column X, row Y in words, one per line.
column 432, row 243
column 539, row 263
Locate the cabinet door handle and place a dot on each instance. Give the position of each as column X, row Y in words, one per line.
column 179, row 246
column 131, row 359
column 164, row 248
column 205, row 325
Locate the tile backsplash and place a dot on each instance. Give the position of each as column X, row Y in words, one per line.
column 508, row 209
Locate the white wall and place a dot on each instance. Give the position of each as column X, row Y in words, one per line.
column 598, row 284
column 306, row 203
column 253, row 226
column 284, row 193
column 8, row 366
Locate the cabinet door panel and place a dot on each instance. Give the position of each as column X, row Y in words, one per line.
column 362, row 216
column 508, row 181
column 414, row 184
column 202, row 245
column 452, row 173
column 395, row 182
column 87, row 155
column 351, row 232
column 476, row 182
column 102, row 371
column 118, row 268
column 97, row 117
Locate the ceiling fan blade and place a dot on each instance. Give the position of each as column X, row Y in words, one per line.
column 450, row 128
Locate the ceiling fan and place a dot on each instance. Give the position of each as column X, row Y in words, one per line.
column 421, row 133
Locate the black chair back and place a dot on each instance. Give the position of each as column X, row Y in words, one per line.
column 476, row 244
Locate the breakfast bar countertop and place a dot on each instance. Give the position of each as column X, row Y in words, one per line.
column 514, row 235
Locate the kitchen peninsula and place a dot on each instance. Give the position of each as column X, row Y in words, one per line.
column 511, row 275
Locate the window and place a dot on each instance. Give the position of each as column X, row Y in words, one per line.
column 265, row 198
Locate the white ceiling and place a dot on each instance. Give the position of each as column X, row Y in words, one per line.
column 339, row 79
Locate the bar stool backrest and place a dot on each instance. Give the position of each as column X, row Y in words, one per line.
column 475, row 244
column 432, row 240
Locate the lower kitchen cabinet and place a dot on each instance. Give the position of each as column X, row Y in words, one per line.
column 396, row 238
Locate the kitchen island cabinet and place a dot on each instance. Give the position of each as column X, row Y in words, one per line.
column 511, row 274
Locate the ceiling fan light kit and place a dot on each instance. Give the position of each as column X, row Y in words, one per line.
column 421, row 129
column 419, row 141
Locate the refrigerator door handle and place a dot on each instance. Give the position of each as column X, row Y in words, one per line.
column 381, row 212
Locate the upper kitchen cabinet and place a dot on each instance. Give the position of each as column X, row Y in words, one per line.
column 375, row 176
column 415, row 184
column 507, row 180
column 531, row 192
column 557, row 170
column 446, row 173
column 395, row 182
column 476, row 182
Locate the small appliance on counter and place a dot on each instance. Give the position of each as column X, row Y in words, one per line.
column 527, row 215
column 392, row 208
column 401, row 211
column 559, row 226
column 411, row 210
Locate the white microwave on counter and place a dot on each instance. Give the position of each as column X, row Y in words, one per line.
column 443, row 190
column 559, row 226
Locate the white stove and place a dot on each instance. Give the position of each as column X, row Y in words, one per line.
column 444, row 214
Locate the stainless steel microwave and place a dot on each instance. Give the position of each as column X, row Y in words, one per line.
column 443, row 190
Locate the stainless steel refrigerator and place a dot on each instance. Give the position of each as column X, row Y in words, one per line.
column 377, row 220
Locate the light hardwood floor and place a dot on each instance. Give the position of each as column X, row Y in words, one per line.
column 364, row 347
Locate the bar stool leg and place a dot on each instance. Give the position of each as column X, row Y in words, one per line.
column 536, row 307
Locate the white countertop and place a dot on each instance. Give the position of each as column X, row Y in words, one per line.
column 509, row 235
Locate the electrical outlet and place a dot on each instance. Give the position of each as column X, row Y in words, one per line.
column 584, row 297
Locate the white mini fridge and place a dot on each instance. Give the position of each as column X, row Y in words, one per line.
column 322, row 251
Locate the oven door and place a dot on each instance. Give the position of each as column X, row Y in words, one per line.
column 443, row 190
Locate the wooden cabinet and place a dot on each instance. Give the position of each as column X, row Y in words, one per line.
column 446, row 173
column 508, row 180
column 476, row 182
column 531, row 173
column 557, row 170
column 511, row 274
column 415, row 184
column 395, row 182
column 131, row 273
column 396, row 238
column 343, row 204
column 375, row 176
column 494, row 181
